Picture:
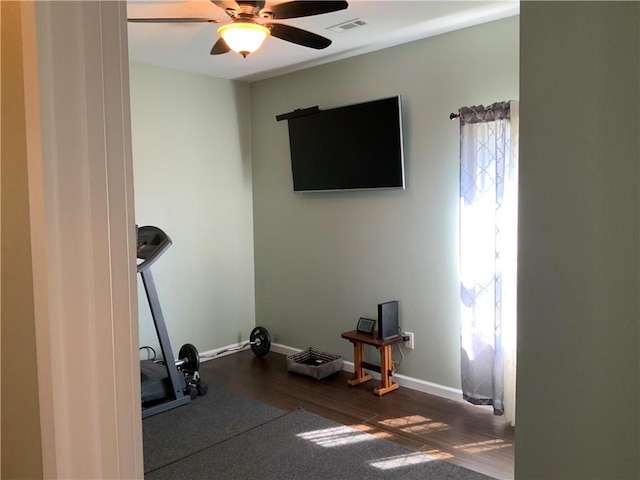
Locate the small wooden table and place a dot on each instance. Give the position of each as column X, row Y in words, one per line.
column 359, row 340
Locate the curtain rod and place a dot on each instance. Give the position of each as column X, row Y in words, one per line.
column 453, row 115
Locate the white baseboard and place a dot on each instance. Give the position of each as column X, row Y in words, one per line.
column 402, row 380
column 284, row 350
column 237, row 347
column 416, row 384
column 221, row 352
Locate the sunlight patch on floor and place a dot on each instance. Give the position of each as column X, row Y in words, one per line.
column 371, row 431
column 335, row 437
column 401, row 461
column 487, row 445
column 438, row 454
column 415, row 424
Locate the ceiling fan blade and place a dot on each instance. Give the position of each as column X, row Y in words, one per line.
column 237, row 5
column 224, row 4
column 305, row 8
column 220, row 47
column 255, row 4
column 174, row 20
column 298, row 36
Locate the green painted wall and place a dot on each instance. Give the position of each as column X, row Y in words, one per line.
column 192, row 169
column 578, row 359
column 325, row 259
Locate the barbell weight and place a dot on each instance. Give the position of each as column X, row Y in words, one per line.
column 189, row 358
column 260, row 341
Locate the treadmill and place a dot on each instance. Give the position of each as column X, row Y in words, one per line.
column 164, row 384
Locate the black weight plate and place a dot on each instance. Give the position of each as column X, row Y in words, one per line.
column 190, row 353
column 260, row 341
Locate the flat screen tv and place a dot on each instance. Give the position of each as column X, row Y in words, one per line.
column 356, row 147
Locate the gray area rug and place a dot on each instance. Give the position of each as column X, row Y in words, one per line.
column 207, row 420
column 296, row 445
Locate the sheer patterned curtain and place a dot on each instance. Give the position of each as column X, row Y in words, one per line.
column 488, row 253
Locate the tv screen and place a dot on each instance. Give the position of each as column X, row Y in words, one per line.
column 348, row 148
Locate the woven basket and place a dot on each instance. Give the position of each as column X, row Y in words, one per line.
column 314, row 363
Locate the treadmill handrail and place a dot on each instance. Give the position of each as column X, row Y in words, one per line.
column 151, row 251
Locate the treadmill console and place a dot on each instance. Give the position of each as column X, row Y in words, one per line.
column 152, row 243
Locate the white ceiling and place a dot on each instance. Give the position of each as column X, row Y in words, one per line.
column 186, row 46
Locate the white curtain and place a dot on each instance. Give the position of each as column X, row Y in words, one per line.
column 488, row 254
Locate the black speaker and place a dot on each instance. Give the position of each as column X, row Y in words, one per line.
column 388, row 320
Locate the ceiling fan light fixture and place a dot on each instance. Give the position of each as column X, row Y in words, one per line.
column 243, row 37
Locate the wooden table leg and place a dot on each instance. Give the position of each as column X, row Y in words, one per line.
column 386, row 384
column 361, row 375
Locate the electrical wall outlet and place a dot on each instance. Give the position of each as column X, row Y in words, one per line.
column 408, row 342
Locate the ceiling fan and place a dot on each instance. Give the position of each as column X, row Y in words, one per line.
column 249, row 23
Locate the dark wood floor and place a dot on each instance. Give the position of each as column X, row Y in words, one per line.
column 452, row 431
